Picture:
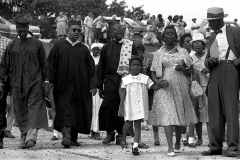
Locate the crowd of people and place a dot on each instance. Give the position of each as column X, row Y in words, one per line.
column 90, row 87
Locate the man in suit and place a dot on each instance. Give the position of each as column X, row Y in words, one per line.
column 223, row 60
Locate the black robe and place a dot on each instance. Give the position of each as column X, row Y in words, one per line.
column 71, row 70
column 110, row 79
column 26, row 63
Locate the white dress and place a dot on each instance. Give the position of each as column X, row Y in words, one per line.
column 136, row 102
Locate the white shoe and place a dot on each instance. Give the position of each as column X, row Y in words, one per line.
column 177, row 150
column 171, row 154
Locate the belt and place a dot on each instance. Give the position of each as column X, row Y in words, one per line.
column 225, row 61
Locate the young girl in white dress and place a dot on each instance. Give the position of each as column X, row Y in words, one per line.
column 134, row 99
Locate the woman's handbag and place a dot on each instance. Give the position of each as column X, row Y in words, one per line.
column 195, row 89
column 104, row 35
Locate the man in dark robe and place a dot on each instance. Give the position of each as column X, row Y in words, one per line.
column 25, row 61
column 6, row 88
column 111, row 24
column 71, row 71
column 108, row 85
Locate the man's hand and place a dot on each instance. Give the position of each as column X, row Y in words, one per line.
column 212, row 61
column 1, row 91
column 46, row 89
column 121, row 110
column 205, row 71
column 93, row 91
column 101, row 93
column 51, row 85
column 236, row 62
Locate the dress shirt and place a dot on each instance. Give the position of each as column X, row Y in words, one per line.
column 223, row 45
column 88, row 21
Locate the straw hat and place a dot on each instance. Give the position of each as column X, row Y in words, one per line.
column 198, row 37
column 215, row 13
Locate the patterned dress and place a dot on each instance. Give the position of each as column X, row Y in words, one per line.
column 172, row 105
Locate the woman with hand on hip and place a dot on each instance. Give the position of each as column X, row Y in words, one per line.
column 172, row 105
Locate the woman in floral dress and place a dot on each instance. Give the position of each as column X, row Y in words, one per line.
column 172, row 106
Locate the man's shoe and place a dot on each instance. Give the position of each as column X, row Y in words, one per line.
column 66, row 143
column 110, row 138
column 97, row 136
column 232, row 154
column 92, row 136
column 135, row 151
column 8, row 134
column 211, row 152
column 157, row 142
column 30, row 144
column 54, row 138
column 1, row 143
column 118, row 139
column 75, row 143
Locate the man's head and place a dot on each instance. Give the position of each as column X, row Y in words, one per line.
column 118, row 32
column 114, row 17
column 74, row 28
column 215, row 17
column 144, row 17
column 236, row 20
column 22, row 27
column 72, row 17
column 90, row 14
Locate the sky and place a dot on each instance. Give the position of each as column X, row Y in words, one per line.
column 188, row 8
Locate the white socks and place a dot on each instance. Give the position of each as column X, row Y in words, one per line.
column 135, row 145
column 191, row 140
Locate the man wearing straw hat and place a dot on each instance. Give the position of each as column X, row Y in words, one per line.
column 223, row 87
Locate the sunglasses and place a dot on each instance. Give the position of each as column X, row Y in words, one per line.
column 78, row 30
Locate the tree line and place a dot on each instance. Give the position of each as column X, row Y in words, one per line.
column 40, row 12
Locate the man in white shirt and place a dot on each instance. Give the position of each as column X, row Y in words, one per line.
column 223, row 87
column 144, row 21
column 88, row 21
column 195, row 26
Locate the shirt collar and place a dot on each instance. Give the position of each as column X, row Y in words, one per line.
column 72, row 43
column 28, row 36
column 195, row 59
column 223, row 28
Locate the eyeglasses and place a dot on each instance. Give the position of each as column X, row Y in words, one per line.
column 74, row 30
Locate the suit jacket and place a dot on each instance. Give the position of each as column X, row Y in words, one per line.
column 233, row 38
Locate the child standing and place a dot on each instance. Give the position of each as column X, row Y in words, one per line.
column 97, row 101
column 134, row 99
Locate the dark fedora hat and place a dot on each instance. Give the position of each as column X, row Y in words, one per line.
column 215, row 13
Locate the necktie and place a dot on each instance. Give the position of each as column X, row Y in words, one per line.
column 218, row 31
